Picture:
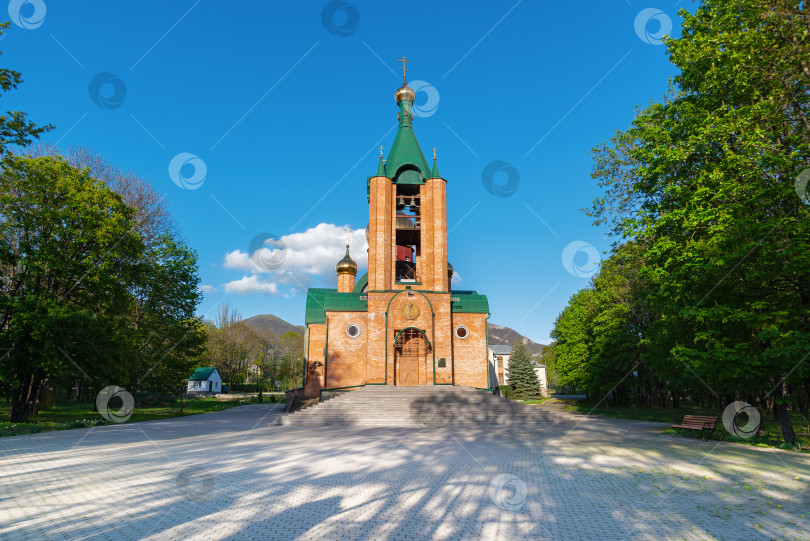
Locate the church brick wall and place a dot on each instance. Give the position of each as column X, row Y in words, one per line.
column 470, row 355
column 381, row 222
column 443, row 327
column 362, row 360
column 316, row 341
column 346, row 356
column 425, row 262
column 375, row 369
column 434, row 235
column 424, row 322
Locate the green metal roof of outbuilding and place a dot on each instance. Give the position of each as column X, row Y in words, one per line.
column 202, row 373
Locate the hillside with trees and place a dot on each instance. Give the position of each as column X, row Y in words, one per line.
column 263, row 351
column 274, row 324
column 500, row 335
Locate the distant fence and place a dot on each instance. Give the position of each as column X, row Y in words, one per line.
column 252, row 388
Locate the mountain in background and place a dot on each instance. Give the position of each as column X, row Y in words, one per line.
column 505, row 336
column 272, row 323
column 498, row 335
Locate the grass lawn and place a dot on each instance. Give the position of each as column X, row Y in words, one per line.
column 72, row 414
column 540, row 401
column 773, row 436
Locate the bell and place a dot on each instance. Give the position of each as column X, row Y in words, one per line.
column 401, row 202
column 413, row 204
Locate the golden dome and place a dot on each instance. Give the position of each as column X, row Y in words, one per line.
column 405, row 93
column 449, row 270
column 346, row 265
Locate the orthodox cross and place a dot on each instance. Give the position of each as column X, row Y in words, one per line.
column 404, row 70
column 381, row 148
column 434, row 153
column 348, row 230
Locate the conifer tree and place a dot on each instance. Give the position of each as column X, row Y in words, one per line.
column 522, row 377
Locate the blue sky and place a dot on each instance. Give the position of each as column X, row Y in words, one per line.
column 276, row 108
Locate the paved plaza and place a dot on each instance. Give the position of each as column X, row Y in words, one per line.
column 228, row 475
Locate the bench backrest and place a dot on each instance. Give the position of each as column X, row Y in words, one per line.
column 699, row 419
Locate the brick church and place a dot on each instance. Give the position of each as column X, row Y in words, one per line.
column 400, row 323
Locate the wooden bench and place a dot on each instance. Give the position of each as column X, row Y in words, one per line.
column 697, row 422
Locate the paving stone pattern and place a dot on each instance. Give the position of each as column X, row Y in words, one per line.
column 228, row 475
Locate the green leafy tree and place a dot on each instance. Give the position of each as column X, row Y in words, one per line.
column 266, row 360
column 550, row 360
column 15, row 128
column 707, row 181
column 164, row 336
column 521, row 374
column 231, row 346
column 572, row 342
column 291, row 345
column 167, row 339
column 69, row 253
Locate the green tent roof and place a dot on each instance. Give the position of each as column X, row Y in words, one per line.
column 435, row 172
column 202, row 373
column 406, row 151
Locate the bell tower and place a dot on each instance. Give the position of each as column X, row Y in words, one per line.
column 400, row 324
column 407, row 212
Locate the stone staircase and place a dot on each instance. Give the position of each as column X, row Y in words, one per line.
column 379, row 405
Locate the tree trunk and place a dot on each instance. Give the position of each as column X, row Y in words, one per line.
column 804, row 400
column 22, row 401
column 780, row 410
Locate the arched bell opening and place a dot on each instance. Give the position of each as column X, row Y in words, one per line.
column 408, row 221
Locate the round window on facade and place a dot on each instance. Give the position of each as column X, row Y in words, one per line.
column 353, row 331
column 462, row 332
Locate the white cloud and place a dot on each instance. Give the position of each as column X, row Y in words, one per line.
column 205, row 288
column 456, row 279
column 313, row 252
column 290, row 294
column 251, row 284
column 239, row 260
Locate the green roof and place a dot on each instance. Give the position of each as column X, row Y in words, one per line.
column 319, row 300
column 469, row 302
column 202, row 373
column 406, row 151
column 361, row 283
column 435, row 172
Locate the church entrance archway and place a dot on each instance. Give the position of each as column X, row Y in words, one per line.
column 411, row 351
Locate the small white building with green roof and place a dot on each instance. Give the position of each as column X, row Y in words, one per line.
column 205, row 379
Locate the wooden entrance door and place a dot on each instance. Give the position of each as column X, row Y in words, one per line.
column 411, row 351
